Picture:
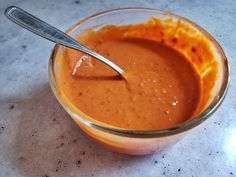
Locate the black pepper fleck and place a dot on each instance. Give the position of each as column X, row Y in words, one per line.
column 45, row 176
column 2, row 128
column 24, row 46
column 163, row 156
column 179, row 169
column 59, row 165
column 164, row 173
column 21, row 158
column 74, row 140
column 78, row 162
column 231, row 173
column 83, row 153
column 12, row 107
column 77, row 2
column 155, row 161
column 60, row 145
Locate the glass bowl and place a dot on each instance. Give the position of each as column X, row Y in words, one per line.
column 136, row 142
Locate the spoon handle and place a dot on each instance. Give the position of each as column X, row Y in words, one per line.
column 43, row 29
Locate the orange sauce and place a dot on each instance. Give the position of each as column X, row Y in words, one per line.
column 162, row 85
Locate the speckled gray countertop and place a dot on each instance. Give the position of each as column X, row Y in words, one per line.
column 37, row 137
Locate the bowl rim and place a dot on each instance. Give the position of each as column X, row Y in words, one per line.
column 182, row 127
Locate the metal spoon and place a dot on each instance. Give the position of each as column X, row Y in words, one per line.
column 43, row 29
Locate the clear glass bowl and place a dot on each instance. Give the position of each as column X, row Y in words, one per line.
column 136, row 142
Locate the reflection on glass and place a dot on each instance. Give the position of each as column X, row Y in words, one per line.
column 230, row 145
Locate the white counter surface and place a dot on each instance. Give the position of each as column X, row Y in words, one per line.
column 37, row 137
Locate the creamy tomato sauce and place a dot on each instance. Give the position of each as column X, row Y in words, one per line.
column 161, row 87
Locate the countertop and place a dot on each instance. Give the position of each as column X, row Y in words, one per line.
column 38, row 138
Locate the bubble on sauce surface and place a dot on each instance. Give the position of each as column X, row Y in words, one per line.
column 133, row 98
column 120, row 111
column 141, row 84
column 174, row 103
column 167, row 111
column 175, row 97
column 163, row 91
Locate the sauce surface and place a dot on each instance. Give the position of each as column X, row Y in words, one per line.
column 161, row 88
